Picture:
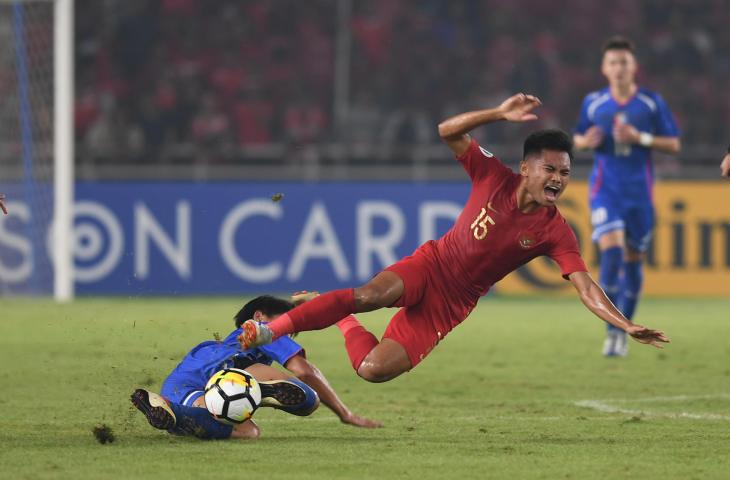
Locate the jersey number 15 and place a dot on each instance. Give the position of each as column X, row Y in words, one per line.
column 480, row 224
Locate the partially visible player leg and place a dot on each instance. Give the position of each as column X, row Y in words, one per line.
column 609, row 233
column 411, row 335
column 372, row 360
column 179, row 419
column 386, row 361
column 611, row 245
column 403, row 284
column 631, row 282
column 639, row 231
column 358, row 341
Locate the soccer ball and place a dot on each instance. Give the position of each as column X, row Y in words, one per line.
column 232, row 395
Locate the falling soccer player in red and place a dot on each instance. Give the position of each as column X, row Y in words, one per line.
column 509, row 219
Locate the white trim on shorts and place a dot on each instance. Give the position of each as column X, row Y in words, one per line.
column 189, row 397
column 608, row 227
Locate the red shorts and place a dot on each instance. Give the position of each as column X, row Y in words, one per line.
column 429, row 310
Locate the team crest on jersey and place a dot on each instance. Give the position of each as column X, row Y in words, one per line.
column 527, row 240
column 486, row 152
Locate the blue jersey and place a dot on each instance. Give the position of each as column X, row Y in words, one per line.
column 625, row 171
column 193, row 372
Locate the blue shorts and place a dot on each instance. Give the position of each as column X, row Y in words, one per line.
column 636, row 219
column 182, row 389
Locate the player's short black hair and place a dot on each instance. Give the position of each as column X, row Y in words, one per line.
column 617, row 42
column 267, row 304
column 549, row 139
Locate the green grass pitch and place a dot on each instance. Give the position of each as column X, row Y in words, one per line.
column 499, row 398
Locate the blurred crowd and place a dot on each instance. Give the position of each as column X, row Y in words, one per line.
column 217, row 81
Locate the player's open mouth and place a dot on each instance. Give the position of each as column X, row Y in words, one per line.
column 552, row 192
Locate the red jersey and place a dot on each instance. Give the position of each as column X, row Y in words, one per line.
column 492, row 237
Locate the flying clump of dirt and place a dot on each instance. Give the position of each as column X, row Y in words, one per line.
column 103, row 434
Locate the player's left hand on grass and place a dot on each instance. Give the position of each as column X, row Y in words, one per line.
column 358, row 421
column 2, row 204
column 647, row 335
column 517, row 108
column 625, row 133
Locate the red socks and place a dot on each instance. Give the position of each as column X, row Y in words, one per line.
column 316, row 314
column 323, row 311
column 281, row 326
column 358, row 341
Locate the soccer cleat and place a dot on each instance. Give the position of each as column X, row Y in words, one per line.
column 254, row 335
column 155, row 408
column 281, row 394
column 291, row 396
column 615, row 344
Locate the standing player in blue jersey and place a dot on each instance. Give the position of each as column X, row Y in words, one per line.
column 181, row 407
column 623, row 123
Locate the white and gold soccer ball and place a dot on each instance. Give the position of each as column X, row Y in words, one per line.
column 232, row 395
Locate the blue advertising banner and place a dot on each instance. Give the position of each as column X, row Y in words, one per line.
column 225, row 238
column 167, row 238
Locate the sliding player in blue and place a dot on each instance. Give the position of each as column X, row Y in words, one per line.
column 180, row 409
column 622, row 124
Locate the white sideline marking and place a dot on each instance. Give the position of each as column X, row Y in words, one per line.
column 674, row 398
column 557, row 418
column 606, row 407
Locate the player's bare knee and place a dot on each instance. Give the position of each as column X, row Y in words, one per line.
column 375, row 372
column 371, row 374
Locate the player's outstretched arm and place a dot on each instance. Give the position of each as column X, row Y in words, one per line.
column 310, row 374
column 2, row 204
column 725, row 165
column 593, row 297
column 517, row 108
